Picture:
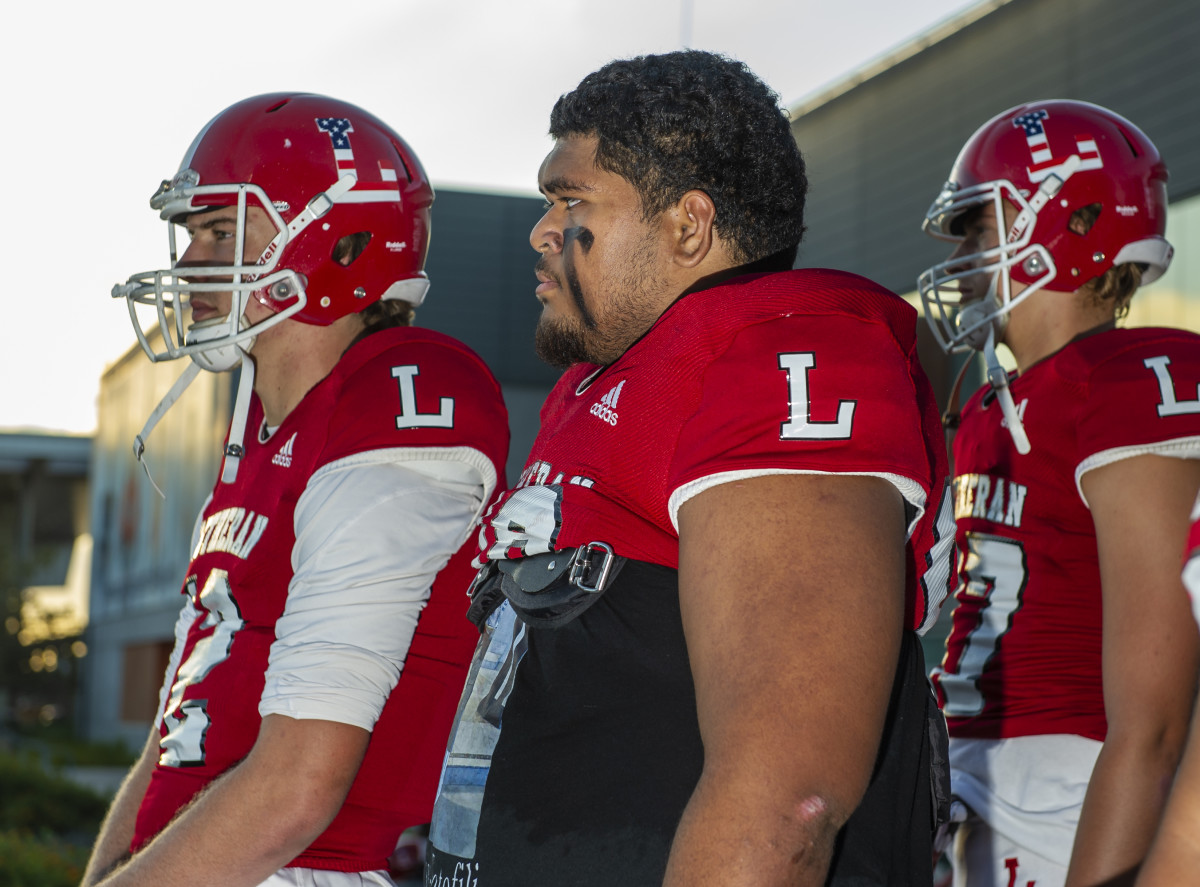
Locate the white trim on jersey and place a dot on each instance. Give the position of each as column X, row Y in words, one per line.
column 1179, row 448
column 1028, row 788
column 908, row 488
column 372, row 532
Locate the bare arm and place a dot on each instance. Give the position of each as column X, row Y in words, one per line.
column 792, row 597
column 258, row 816
column 1140, row 507
column 116, row 832
column 1175, row 857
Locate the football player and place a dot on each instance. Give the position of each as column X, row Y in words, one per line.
column 321, row 644
column 700, row 662
column 1071, row 664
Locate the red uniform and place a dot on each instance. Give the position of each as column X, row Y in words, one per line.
column 398, row 396
column 823, row 379
column 1023, row 657
column 577, row 745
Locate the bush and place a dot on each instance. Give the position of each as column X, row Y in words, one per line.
column 47, row 824
column 31, row 799
column 63, row 747
column 29, row 861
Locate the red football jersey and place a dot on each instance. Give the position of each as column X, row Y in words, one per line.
column 1023, row 656
column 823, row 368
column 397, row 389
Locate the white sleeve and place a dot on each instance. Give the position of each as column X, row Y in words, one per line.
column 372, row 532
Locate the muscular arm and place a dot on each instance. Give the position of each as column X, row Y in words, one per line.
column 1140, row 508
column 792, row 596
column 116, row 832
column 261, row 814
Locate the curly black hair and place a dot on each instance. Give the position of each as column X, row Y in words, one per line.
column 687, row 120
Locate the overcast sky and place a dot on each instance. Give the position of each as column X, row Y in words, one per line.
column 103, row 99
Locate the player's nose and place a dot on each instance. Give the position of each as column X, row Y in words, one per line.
column 546, row 236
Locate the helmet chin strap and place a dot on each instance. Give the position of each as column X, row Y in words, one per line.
column 998, row 379
column 997, row 376
column 234, row 449
column 220, row 357
column 139, row 443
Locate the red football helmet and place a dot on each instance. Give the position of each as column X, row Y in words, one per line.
column 1046, row 160
column 321, row 169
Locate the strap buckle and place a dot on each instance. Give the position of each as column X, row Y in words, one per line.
column 583, row 569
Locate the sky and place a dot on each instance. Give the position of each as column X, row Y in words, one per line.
column 102, row 100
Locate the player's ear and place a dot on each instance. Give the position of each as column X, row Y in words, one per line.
column 692, row 228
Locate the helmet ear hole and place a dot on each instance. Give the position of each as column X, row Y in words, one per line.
column 1083, row 219
column 350, row 247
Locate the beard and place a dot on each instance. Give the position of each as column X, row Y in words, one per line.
column 560, row 344
column 626, row 306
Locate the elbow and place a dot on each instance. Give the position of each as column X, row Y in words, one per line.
column 315, row 797
column 805, row 844
column 817, row 822
column 303, row 801
column 1156, row 741
column 315, row 809
column 299, row 820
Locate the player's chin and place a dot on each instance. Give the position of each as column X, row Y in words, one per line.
column 558, row 343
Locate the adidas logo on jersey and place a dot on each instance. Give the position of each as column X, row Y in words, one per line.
column 606, row 407
column 284, row 457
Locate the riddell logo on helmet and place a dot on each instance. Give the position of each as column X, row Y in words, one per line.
column 606, row 407
column 1127, row 211
column 268, row 253
column 397, row 246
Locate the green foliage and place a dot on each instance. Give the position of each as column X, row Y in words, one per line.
column 64, row 748
column 31, row 799
column 27, row 860
column 46, row 824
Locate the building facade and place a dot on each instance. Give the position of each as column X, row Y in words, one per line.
column 45, row 553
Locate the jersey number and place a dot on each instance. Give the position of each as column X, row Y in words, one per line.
column 187, row 721
column 997, row 575
column 799, row 426
column 409, row 417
